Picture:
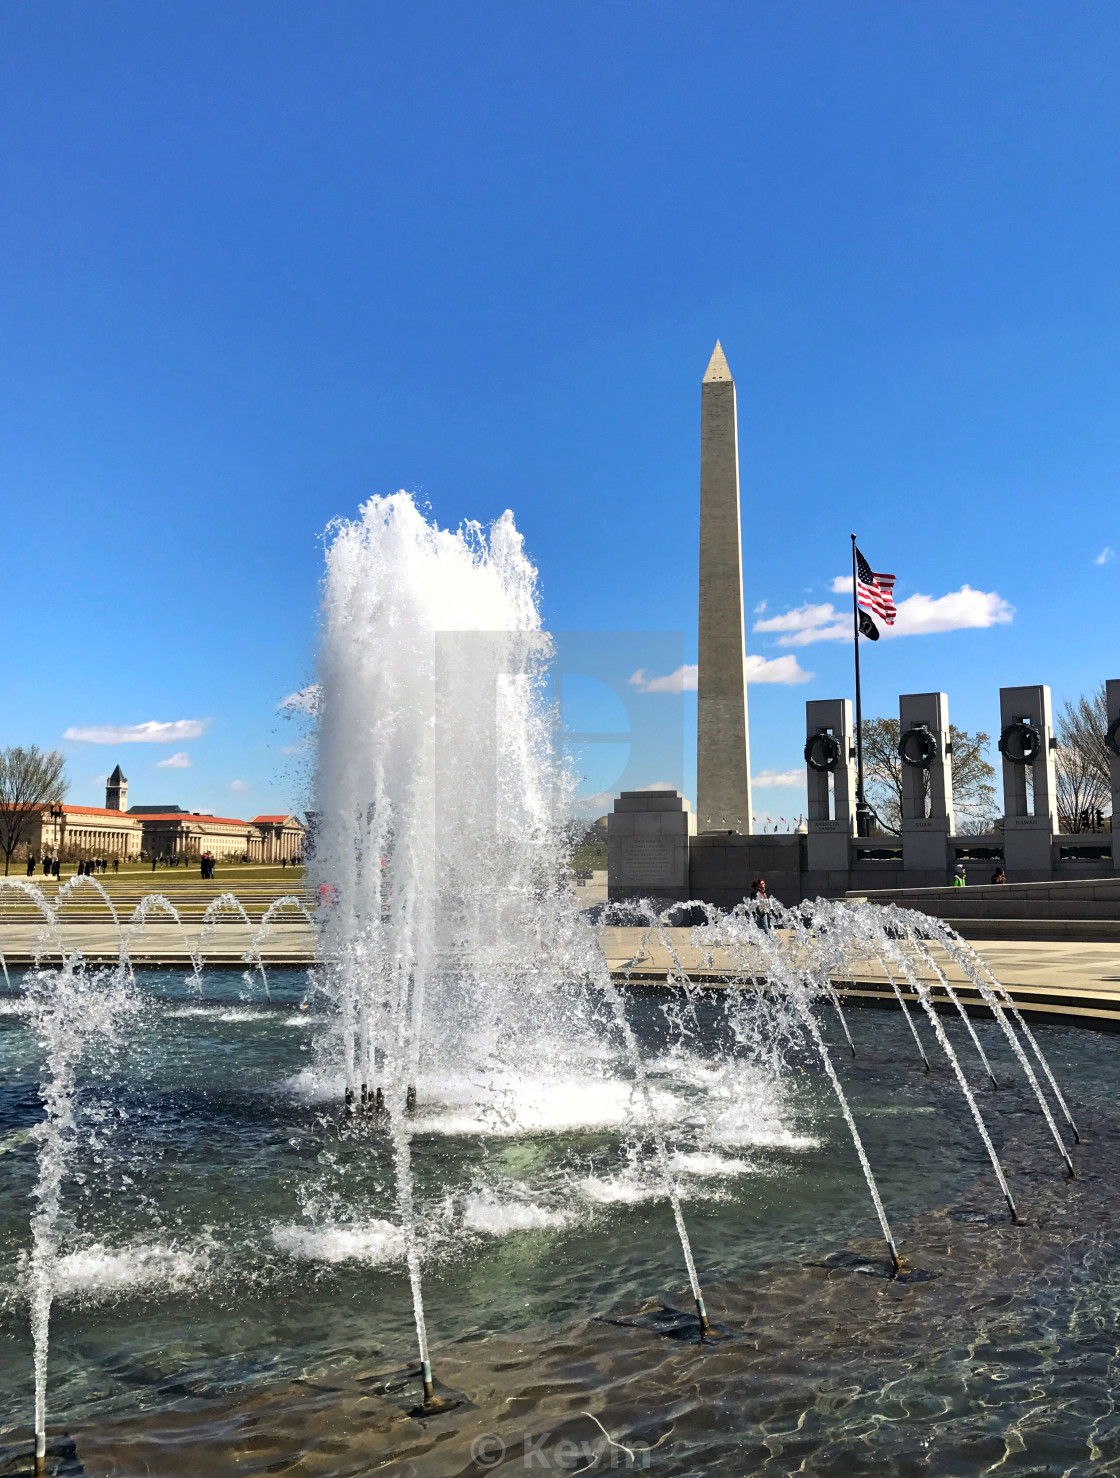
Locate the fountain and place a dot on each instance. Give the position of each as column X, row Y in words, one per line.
column 471, row 1070
column 69, row 1011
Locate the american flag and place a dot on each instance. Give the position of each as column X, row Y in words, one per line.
column 875, row 592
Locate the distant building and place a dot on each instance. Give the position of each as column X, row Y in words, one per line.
column 280, row 837
column 116, row 791
column 72, row 832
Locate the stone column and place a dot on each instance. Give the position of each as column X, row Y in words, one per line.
column 927, row 822
column 829, row 738
column 723, row 766
column 647, row 845
column 1030, row 817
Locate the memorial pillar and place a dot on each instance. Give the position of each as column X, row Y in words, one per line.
column 1030, row 805
column 647, row 845
column 925, row 750
column 831, row 784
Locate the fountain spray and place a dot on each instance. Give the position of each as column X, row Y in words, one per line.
column 440, row 845
column 70, row 1011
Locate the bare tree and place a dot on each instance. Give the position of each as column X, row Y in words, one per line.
column 29, row 780
column 1084, row 778
column 974, row 795
column 1082, row 794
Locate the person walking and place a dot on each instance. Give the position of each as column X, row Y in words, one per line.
column 116, row 865
column 959, row 878
column 999, row 876
column 761, row 901
column 31, row 864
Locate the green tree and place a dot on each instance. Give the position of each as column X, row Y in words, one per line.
column 974, row 795
column 29, row 780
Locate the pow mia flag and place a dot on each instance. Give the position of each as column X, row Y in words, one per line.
column 867, row 627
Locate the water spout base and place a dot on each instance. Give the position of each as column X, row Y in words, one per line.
column 706, row 1330
column 432, row 1402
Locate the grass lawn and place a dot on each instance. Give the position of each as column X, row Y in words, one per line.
column 590, row 857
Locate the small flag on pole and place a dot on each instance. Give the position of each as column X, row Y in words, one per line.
column 867, row 627
column 875, row 592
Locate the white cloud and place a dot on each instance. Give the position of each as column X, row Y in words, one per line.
column 758, row 610
column 961, row 610
column 239, row 785
column 805, row 624
column 759, row 670
column 778, row 779
column 918, row 615
column 149, row 733
column 681, row 681
column 776, row 670
column 180, row 761
column 305, row 700
column 1106, row 554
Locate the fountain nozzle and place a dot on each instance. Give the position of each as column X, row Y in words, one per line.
column 1011, row 1208
column 40, row 1454
column 432, row 1402
column 702, row 1315
column 896, row 1261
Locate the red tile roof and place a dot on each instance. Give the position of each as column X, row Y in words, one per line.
column 273, row 818
column 94, row 811
column 192, row 816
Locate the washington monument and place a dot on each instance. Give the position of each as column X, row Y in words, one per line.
column 723, row 761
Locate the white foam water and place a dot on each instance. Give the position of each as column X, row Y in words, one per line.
column 100, row 1270
column 627, row 1188
column 705, row 1162
column 373, row 1242
column 486, row 1212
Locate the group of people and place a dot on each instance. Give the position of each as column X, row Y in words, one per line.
column 86, row 866
column 960, row 879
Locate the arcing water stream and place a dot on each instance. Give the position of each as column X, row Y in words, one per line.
column 470, row 1071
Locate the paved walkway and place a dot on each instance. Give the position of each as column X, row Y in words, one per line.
column 1061, row 980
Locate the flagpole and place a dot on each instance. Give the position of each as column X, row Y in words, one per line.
column 861, row 808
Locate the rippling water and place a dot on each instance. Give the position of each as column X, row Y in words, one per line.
column 231, row 1298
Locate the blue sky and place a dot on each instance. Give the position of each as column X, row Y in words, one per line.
column 263, row 260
